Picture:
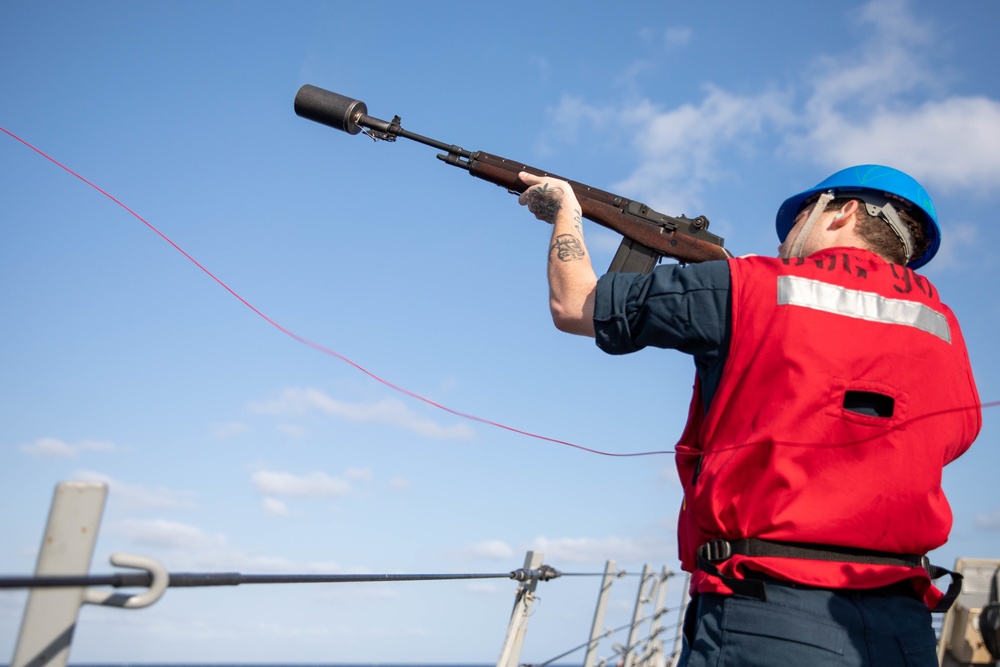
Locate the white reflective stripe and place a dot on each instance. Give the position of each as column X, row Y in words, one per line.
column 796, row 291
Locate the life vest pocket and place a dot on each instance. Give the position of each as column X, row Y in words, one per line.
column 869, row 403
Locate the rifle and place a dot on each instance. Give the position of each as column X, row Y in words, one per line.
column 648, row 235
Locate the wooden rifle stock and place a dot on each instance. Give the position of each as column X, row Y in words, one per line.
column 684, row 239
column 648, row 235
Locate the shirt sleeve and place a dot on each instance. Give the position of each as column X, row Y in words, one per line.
column 678, row 307
column 686, row 308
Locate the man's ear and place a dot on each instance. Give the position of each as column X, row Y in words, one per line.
column 845, row 214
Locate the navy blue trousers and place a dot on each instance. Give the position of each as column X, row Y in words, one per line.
column 809, row 627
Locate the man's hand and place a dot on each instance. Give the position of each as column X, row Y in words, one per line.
column 547, row 197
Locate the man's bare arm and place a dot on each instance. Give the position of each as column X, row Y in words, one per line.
column 572, row 281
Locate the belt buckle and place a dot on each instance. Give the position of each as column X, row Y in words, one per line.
column 718, row 551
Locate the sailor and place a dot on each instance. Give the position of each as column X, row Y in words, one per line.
column 832, row 385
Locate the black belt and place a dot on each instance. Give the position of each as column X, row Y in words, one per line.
column 718, row 551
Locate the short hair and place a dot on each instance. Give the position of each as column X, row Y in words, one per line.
column 880, row 237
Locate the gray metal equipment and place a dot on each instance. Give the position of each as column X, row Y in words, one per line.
column 962, row 641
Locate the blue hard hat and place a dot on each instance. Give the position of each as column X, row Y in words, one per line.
column 874, row 178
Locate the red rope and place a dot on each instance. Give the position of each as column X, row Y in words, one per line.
column 394, row 387
column 306, row 341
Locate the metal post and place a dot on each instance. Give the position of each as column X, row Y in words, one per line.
column 679, row 637
column 597, row 627
column 67, row 547
column 510, row 653
column 633, row 632
column 653, row 655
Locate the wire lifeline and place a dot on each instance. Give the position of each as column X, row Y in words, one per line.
column 208, row 579
column 316, row 346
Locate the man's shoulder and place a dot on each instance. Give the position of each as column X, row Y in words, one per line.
column 714, row 274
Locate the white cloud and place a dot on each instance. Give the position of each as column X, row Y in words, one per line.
column 131, row 496
column 164, row 534
column 682, row 145
column 361, row 474
column 323, row 567
column 678, row 36
column 486, row 588
column 491, row 549
column 274, row 507
column 183, row 546
column 956, row 245
column 291, row 430
column 97, row 446
column 300, row 401
column 672, row 37
column 53, row 448
column 952, row 144
column 318, row 484
column 864, row 111
column 574, row 114
column 399, row 483
column 875, row 70
column 50, row 448
column 878, row 98
column 678, row 149
column 595, row 550
column 229, row 429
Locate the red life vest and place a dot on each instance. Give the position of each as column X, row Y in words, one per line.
column 783, row 455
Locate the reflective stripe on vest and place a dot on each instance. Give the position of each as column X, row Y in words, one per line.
column 797, row 291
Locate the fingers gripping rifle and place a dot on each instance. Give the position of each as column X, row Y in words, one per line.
column 648, row 235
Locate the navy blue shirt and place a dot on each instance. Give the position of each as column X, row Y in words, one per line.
column 684, row 308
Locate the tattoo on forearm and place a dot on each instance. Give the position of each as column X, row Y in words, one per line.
column 567, row 247
column 545, row 203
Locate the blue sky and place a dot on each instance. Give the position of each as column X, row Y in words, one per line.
column 228, row 445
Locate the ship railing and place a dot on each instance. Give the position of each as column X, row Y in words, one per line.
column 61, row 585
